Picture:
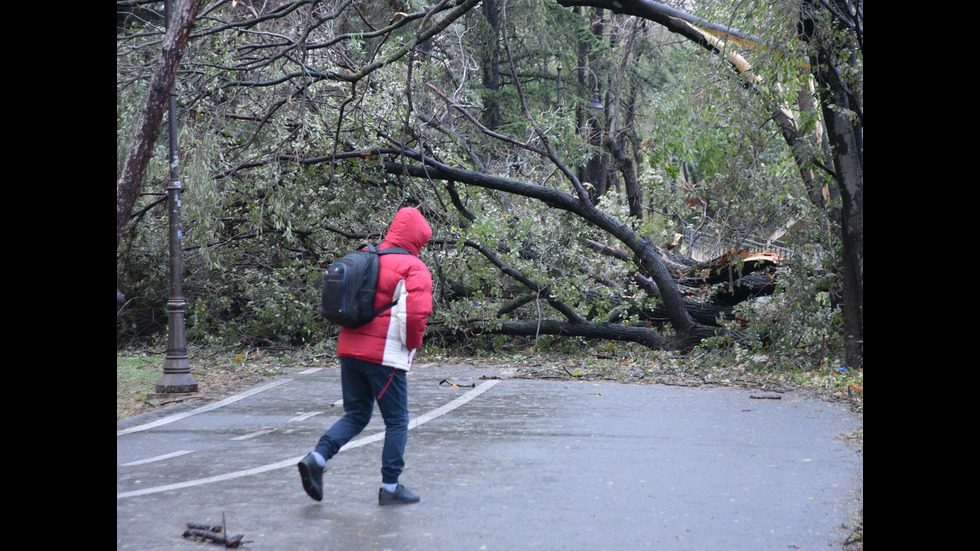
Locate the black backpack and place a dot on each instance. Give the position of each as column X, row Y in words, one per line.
column 349, row 286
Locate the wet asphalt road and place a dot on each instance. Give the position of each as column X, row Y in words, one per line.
column 500, row 464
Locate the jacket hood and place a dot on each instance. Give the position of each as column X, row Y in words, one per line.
column 409, row 230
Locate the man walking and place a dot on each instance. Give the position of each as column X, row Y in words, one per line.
column 375, row 358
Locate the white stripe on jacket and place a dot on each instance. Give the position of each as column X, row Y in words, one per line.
column 396, row 354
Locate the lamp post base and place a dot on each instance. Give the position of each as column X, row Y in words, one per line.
column 176, row 367
column 176, row 385
column 176, row 377
column 175, row 389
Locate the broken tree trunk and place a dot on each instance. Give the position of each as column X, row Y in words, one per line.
column 747, row 275
column 699, row 280
column 727, row 268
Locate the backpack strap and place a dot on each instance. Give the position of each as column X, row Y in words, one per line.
column 393, row 250
column 389, row 250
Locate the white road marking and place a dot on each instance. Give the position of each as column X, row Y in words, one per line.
column 305, row 416
column 291, row 462
column 209, row 407
column 253, row 434
column 158, row 458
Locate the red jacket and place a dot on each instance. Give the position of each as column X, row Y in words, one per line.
column 392, row 338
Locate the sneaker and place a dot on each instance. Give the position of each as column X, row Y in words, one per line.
column 312, row 476
column 400, row 496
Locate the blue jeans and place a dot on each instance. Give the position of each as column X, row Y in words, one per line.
column 364, row 383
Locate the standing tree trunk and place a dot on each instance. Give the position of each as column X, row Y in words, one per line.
column 148, row 124
column 594, row 171
column 491, row 64
column 616, row 138
column 844, row 117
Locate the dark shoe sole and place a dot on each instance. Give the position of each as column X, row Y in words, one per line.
column 390, row 499
column 308, row 485
column 397, row 502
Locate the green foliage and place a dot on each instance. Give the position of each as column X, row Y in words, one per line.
column 720, row 156
column 801, row 323
column 256, row 239
column 142, row 273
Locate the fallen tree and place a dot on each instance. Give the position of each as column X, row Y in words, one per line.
column 715, row 286
column 680, row 288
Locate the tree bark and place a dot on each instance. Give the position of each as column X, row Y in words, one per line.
column 491, row 64
column 148, row 125
column 588, row 330
column 847, row 142
column 633, row 198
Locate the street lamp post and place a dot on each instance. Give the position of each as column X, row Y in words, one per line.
column 176, row 367
column 596, row 103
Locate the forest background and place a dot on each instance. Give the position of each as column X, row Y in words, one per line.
column 704, row 223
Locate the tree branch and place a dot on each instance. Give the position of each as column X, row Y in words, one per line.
column 539, row 289
column 148, row 125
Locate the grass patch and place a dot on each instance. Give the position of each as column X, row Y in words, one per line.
column 219, row 372
column 136, row 375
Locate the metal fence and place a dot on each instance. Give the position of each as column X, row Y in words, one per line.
column 702, row 247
